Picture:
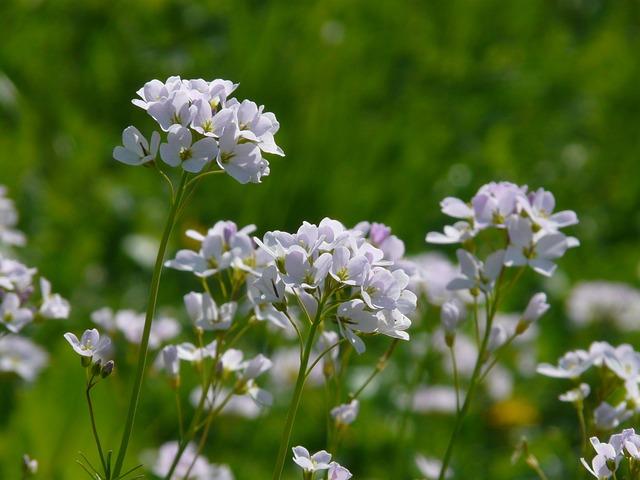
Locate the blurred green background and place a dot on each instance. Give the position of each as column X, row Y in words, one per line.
column 385, row 106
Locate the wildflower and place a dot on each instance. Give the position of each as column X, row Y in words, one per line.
column 535, row 309
column 204, row 312
column 571, row 365
column 354, row 316
column 12, row 315
column 240, row 158
column 53, row 305
column 477, row 275
column 608, row 417
column 346, row 413
column 577, row 394
column 590, row 302
column 137, row 150
column 606, row 461
column 171, row 360
column 538, row 252
column 452, row 314
column 22, row 357
column 179, row 150
column 311, row 463
column 201, row 469
column 8, row 221
column 539, row 206
column 29, row 466
column 338, row 472
column 90, row 344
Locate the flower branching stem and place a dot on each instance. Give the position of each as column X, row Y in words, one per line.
column 297, row 393
column 151, row 309
column 492, row 307
column 380, row 366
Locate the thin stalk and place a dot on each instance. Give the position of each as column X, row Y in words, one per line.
column 475, row 319
column 179, row 411
column 94, row 429
column 475, row 376
column 297, row 395
column 151, row 310
column 205, row 433
column 382, row 363
column 324, row 352
column 456, row 382
column 583, row 427
column 193, row 426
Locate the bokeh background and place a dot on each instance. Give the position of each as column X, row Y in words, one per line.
column 385, row 107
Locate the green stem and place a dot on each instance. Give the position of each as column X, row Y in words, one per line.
column 297, row 395
column 179, row 411
column 95, row 429
column 456, row 382
column 475, row 377
column 144, row 342
column 205, row 433
column 193, row 426
column 382, row 363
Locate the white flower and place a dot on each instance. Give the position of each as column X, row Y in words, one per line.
column 21, row 356
column 303, row 271
column 338, row 472
column 29, row 465
column 353, row 316
column 536, row 307
column 604, row 301
column 538, row 252
column 605, row 462
column 53, row 305
column 348, row 269
column 607, row 417
column 494, row 203
column 171, row 360
column 15, row 276
column 571, row 365
column 539, row 205
column 222, row 247
column 190, row 353
column 136, row 150
column 205, row 314
column 90, row 344
column 476, row 274
column 311, row 463
column 456, row 233
column 239, row 157
column 201, row 470
column 209, row 123
column 452, row 314
column 384, row 289
column 176, row 109
column 497, row 338
column 577, row 394
column 270, row 286
column 179, row 150
column 8, row 220
column 346, row 413
column 152, row 91
column 12, row 315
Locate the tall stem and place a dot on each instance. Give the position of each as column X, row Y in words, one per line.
column 297, row 394
column 475, row 379
column 151, row 310
column 94, row 429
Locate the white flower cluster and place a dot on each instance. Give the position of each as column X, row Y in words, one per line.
column 9, row 235
column 527, row 216
column 622, row 362
column 25, row 298
column 196, row 466
column 327, row 260
column 600, row 301
column 203, row 124
column 621, row 447
column 131, row 324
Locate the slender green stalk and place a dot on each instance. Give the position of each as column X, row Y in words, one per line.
column 456, row 382
column 297, row 395
column 475, row 378
column 179, row 412
column 194, row 425
column 151, row 310
column 382, row 363
column 95, row 429
column 205, row 433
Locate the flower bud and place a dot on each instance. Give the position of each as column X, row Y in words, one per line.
column 535, row 309
column 107, row 369
column 85, row 361
column 96, row 368
column 452, row 314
